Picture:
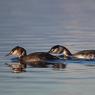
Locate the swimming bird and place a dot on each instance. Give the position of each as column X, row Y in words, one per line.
column 36, row 59
column 84, row 54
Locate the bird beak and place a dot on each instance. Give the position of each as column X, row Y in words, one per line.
column 8, row 54
column 50, row 51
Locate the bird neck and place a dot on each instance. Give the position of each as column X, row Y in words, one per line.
column 23, row 53
column 22, row 62
column 66, row 52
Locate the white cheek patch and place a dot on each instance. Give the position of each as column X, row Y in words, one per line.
column 55, row 50
column 15, row 53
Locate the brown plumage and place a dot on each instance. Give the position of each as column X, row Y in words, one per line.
column 85, row 54
column 37, row 59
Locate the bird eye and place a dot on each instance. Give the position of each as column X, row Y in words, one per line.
column 52, row 50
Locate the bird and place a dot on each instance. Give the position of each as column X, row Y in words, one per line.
column 84, row 54
column 36, row 59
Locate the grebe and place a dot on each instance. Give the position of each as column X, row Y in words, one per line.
column 36, row 59
column 84, row 54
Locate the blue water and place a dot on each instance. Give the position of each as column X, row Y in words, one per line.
column 37, row 25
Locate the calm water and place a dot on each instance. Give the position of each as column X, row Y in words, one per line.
column 37, row 25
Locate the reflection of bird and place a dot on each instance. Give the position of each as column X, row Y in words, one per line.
column 16, row 68
column 85, row 54
column 37, row 59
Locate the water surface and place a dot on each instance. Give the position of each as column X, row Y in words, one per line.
column 37, row 25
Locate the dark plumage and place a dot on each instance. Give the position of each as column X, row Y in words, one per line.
column 85, row 54
column 37, row 59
